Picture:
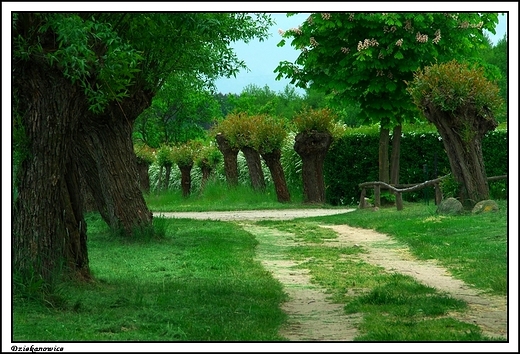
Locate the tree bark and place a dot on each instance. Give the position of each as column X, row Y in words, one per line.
column 186, row 179
column 312, row 148
column 160, row 179
column 49, row 230
column 206, row 173
column 167, row 175
column 396, row 152
column 230, row 159
column 108, row 163
column 144, row 177
column 272, row 160
column 384, row 143
column 462, row 132
column 254, row 165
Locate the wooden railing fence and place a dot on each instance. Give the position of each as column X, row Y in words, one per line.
column 399, row 189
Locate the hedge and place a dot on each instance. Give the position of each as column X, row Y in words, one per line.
column 353, row 159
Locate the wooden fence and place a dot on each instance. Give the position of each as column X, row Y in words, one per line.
column 399, row 189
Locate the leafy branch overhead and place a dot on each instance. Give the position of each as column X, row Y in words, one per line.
column 367, row 57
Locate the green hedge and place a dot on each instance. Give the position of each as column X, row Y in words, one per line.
column 353, row 159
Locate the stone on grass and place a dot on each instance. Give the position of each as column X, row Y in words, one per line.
column 450, row 206
column 485, row 206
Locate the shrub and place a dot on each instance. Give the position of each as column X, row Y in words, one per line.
column 353, row 159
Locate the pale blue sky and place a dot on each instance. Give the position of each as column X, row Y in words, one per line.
column 263, row 57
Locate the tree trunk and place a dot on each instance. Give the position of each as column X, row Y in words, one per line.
column 108, row 163
column 230, row 159
column 312, row 148
column 396, row 152
column 49, row 230
column 160, row 178
column 272, row 160
column 206, row 173
column 186, row 179
column 254, row 165
column 462, row 132
column 144, row 177
column 89, row 203
column 167, row 175
column 384, row 140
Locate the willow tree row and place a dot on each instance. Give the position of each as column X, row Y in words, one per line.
column 263, row 136
column 184, row 156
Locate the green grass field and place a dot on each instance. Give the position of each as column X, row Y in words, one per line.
column 200, row 280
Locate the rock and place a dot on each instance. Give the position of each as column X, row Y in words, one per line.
column 485, row 206
column 450, row 206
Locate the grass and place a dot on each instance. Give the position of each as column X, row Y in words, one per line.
column 397, row 307
column 198, row 283
column 473, row 247
column 218, row 197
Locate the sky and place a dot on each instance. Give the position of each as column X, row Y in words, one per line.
column 262, row 58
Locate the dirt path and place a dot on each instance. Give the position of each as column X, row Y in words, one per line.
column 486, row 311
column 285, row 214
column 312, row 317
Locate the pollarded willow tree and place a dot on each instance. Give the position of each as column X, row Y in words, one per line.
column 462, row 104
column 316, row 130
column 79, row 82
column 367, row 57
column 268, row 140
column 235, row 133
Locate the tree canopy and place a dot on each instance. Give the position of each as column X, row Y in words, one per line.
column 366, row 57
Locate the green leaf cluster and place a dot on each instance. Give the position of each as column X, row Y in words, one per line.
column 208, row 156
column 320, row 120
column 454, row 86
column 145, row 153
column 367, row 57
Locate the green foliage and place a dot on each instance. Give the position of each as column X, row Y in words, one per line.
column 367, row 57
column 208, row 156
column 270, row 134
column 239, row 129
column 181, row 111
column 184, row 154
column 164, row 156
column 353, row 159
column 449, row 186
column 455, row 86
column 83, row 48
column 145, row 153
column 320, row 120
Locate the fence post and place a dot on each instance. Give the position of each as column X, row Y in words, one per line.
column 438, row 194
column 399, row 200
column 362, row 204
column 377, row 195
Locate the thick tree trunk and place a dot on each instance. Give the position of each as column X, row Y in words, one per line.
column 254, row 165
column 89, row 203
column 144, row 177
column 462, row 132
column 396, row 152
column 49, row 230
column 384, row 143
column 230, row 159
column 312, row 148
column 186, row 179
column 108, row 163
column 272, row 160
